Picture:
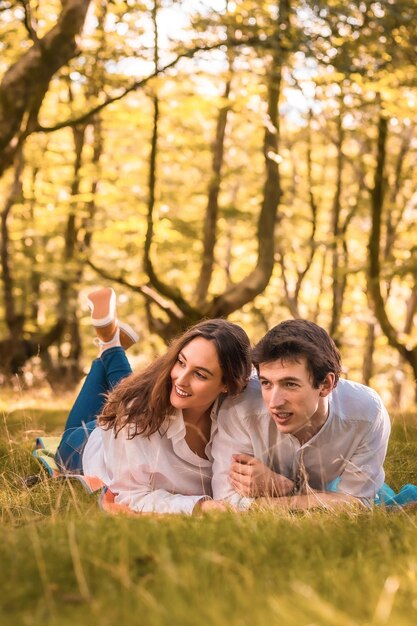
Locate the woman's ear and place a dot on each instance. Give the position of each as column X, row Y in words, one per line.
column 327, row 385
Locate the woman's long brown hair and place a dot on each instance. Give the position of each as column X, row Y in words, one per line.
column 142, row 400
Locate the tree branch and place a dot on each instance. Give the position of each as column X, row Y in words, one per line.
column 169, row 308
column 28, row 22
column 141, row 83
column 26, row 82
column 375, row 250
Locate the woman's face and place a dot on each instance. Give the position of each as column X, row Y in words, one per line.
column 196, row 377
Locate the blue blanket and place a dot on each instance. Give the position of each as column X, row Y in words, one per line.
column 387, row 496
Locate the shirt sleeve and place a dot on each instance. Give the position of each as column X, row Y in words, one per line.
column 129, row 477
column 231, row 438
column 364, row 474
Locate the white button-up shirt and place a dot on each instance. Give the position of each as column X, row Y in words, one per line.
column 350, row 446
column 159, row 473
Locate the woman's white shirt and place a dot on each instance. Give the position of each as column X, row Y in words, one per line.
column 159, row 473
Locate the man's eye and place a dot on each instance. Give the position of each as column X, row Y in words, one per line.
column 265, row 383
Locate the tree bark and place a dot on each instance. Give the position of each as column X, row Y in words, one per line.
column 338, row 260
column 210, row 222
column 397, row 387
column 14, row 321
column 368, row 360
column 374, row 272
column 25, row 83
column 31, row 250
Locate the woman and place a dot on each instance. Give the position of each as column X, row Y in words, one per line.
column 153, row 443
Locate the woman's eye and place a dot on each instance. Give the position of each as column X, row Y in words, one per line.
column 180, row 362
column 201, row 376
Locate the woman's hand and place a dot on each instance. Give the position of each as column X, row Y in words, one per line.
column 207, row 505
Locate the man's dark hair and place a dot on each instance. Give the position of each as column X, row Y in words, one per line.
column 294, row 339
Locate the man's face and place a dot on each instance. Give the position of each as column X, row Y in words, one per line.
column 294, row 404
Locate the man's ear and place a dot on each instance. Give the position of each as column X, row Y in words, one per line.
column 327, row 385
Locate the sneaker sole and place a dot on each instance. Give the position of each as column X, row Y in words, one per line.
column 103, row 303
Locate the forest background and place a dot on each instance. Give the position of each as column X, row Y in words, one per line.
column 250, row 159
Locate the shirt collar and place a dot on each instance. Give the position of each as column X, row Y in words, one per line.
column 175, row 421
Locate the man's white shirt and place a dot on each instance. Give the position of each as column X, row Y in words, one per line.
column 350, row 446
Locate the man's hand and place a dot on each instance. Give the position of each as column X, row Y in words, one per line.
column 250, row 477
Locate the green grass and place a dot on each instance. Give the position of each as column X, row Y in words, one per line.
column 63, row 561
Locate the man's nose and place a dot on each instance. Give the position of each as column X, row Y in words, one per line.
column 277, row 398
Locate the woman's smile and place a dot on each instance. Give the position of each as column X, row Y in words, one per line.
column 181, row 392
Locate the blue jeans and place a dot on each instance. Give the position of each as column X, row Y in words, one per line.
column 105, row 373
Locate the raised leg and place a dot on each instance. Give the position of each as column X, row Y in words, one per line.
column 104, row 374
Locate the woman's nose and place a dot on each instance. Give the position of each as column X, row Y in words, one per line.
column 183, row 378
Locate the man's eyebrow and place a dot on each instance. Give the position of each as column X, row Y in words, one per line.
column 286, row 379
column 197, row 367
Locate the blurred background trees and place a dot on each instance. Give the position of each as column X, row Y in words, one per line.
column 250, row 159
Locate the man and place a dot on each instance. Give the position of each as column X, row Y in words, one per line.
column 298, row 436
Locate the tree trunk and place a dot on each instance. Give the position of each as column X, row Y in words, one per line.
column 374, row 272
column 368, row 361
column 169, row 299
column 210, row 222
column 338, row 260
column 292, row 298
column 31, row 250
column 257, row 280
column 14, row 321
column 25, row 83
column 397, row 387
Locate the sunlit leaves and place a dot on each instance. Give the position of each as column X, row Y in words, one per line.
column 343, row 62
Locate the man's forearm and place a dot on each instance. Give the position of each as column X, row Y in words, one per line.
column 311, row 500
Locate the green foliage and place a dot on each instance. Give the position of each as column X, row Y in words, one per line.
column 344, row 64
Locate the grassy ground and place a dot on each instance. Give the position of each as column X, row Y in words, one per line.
column 63, row 562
